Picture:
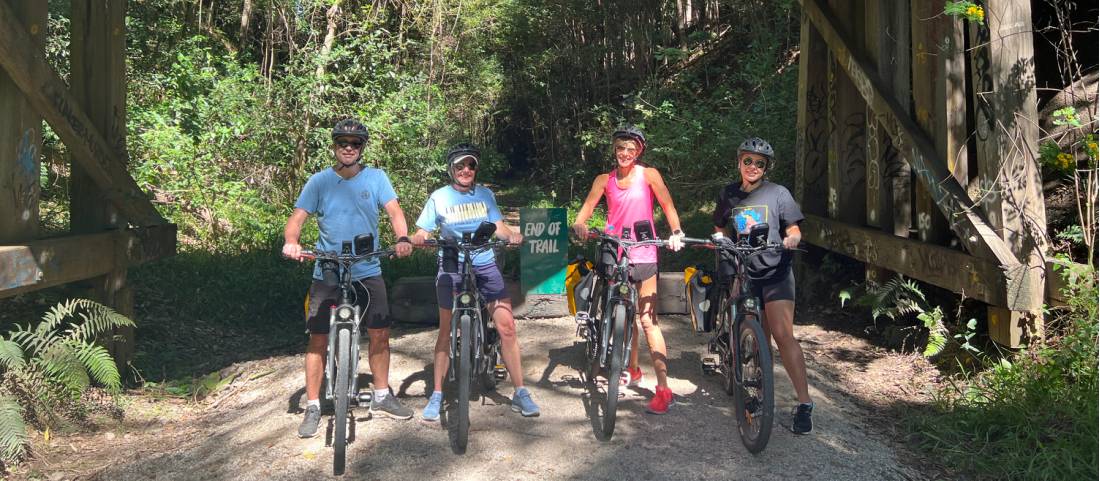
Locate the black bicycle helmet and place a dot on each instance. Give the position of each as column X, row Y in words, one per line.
column 460, row 152
column 757, row 145
column 350, row 128
column 630, row 132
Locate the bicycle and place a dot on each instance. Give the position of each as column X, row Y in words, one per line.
column 342, row 358
column 739, row 336
column 607, row 325
column 475, row 344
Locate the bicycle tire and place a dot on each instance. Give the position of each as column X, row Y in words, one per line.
column 465, row 368
column 755, row 398
column 615, row 368
column 340, row 395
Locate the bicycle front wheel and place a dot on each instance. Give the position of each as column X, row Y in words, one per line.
column 615, row 368
column 340, row 420
column 465, row 371
column 754, row 398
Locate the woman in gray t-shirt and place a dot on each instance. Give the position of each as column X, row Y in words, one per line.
column 740, row 206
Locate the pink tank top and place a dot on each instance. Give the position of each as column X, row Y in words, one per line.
column 630, row 205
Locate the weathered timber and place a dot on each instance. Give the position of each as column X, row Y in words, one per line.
column 98, row 80
column 812, row 137
column 21, row 140
column 973, row 276
column 975, row 234
column 898, row 217
column 49, row 96
column 60, row 260
column 1005, row 128
column 933, row 55
column 847, row 124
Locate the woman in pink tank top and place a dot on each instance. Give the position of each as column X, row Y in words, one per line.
column 630, row 190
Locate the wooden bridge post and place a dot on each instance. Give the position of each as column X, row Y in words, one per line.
column 1008, row 176
column 847, row 129
column 21, row 140
column 811, row 188
column 939, row 100
column 98, row 80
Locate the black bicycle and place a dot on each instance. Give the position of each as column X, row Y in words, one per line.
column 607, row 322
column 342, row 364
column 475, row 343
column 744, row 355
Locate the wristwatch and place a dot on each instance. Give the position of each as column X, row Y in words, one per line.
column 403, row 239
column 677, row 232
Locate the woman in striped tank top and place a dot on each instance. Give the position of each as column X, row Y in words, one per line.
column 630, row 190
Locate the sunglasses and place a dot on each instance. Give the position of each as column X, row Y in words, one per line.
column 465, row 165
column 760, row 163
column 343, row 144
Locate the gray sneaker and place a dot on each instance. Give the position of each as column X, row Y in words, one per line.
column 308, row 428
column 390, row 407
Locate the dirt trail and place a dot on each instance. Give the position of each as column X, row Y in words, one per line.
column 248, row 430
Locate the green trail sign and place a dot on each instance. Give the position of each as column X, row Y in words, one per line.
column 543, row 256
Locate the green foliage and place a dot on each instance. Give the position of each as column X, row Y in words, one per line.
column 965, row 9
column 47, row 367
column 901, row 298
column 1032, row 416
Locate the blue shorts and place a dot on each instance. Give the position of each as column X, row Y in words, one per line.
column 489, row 282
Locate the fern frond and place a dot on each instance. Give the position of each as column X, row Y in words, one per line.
column 937, row 332
column 98, row 319
column 13, row 429
column 57, row 314
column 34, row 341
column 98, row 361
column 62, row 365
column 11, row 355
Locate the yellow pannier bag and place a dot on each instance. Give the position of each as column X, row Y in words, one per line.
column 579, row 278
column 699, row 283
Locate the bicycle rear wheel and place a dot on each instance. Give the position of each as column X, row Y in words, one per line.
column 340, row 395
column 465, row 371
column 754, row 401
column 615, row 368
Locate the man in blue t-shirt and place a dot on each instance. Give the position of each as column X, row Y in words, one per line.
column 457, row 209
column 346, row 199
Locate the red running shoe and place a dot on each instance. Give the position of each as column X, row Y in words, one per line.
column 661, row 401
column 630, row 377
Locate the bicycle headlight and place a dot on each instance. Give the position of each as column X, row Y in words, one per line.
column 344, row 312
column 464, row 298
column 624, row 289
column 750, row 303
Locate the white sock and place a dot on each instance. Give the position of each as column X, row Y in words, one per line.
column 313, row 402
column 380, row 394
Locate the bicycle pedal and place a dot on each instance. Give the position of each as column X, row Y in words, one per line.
column 500, row 372
column 364, row 398
column 709, row 365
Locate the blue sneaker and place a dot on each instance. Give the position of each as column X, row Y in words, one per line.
column 431, row 411
column 523, row 404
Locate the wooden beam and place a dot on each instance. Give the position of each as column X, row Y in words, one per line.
column 21, row 140
column 975, row 234
column 1006, row 131
column 898, row 216
column 812, row 136
column 61, row 260
column 49, row 96
column 973, row 276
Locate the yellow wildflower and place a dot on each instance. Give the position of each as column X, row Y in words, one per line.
column 1064, row 160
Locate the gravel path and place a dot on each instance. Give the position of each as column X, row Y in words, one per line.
column 248, row 431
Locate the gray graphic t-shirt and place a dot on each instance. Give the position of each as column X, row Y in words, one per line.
column 770, row 203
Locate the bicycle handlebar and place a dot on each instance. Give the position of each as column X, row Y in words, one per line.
column 350, row 258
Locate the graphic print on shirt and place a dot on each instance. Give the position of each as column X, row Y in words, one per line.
column 463, row 213
column 746, row 216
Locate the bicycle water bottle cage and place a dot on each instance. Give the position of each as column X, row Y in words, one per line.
column 364, row 244
column 330, row 273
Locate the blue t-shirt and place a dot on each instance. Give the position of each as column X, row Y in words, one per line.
column 455, row 213
column 346, row 208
